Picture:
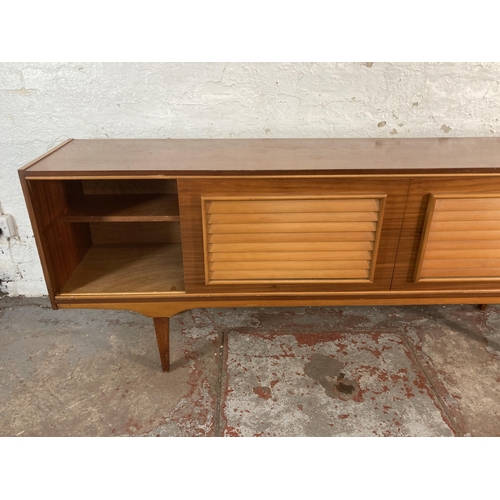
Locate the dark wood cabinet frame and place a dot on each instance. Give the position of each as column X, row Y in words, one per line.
column 135, row 224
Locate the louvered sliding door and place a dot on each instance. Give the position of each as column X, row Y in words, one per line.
column 461, row 239
column 317, row 239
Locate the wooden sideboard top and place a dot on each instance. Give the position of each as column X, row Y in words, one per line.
column 191, row 157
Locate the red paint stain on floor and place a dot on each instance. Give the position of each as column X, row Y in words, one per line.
column 409, row 393
column 262, row 392
column 231, row 431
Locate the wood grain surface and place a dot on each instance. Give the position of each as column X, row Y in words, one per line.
column 186, row 157
column 127, row 243
column 61, row 245
column 433, row 257
column 456, row 263
column 260, row 263
column 123, row 208
column 270, row 234
column 128, row 269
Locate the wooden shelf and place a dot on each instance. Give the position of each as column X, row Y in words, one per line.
column 124, row 208
column 128, row 269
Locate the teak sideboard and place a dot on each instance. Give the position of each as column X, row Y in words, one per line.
column 159, row 226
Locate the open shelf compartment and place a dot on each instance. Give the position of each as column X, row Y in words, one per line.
column 101, row 237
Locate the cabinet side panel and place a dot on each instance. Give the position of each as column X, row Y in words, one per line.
column 62, row 244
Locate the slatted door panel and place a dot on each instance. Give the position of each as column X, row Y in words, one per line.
column 461, row 239
column 290, row 240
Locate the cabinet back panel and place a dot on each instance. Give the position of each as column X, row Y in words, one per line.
column 135, row 233
column 130, row 186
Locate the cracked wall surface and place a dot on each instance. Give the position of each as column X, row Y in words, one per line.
column 42, row 104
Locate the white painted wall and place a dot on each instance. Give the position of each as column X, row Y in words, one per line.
column 42, row 104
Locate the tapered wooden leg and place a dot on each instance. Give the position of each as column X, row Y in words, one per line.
column 482, row 307
column 162, row 331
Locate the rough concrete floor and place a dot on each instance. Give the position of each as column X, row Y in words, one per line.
column 372, row 371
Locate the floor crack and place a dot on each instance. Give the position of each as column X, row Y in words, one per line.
column 444, row 408
column 218, row 403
